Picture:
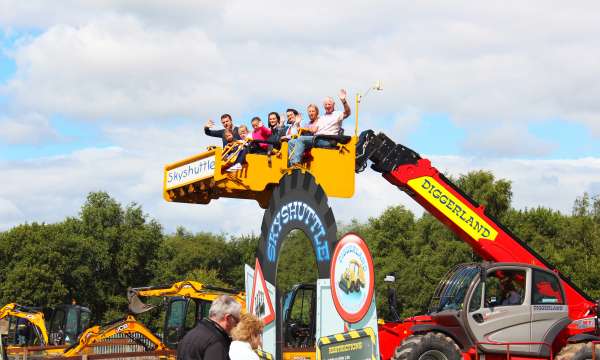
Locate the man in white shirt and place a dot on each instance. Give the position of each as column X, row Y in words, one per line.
column 329, row 123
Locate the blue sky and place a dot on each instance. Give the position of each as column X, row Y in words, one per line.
column 100, row 96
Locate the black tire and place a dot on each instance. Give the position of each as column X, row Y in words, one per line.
column 579, row 351
column 431, row 346
column 297, row 187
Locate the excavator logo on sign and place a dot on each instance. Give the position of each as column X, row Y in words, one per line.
column 454, row 209
column 260, row 302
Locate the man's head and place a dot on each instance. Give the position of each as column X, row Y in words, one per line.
column 226, row 121
column 228, row 135
column 225, row 311
column 313, row 112
column 273, row 119
column 507, row 284
column 291, row 115
column 256, row 122
column 328, row 105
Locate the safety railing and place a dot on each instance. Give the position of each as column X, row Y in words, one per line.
column 517, row 343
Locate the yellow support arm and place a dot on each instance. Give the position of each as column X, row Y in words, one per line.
column 96, row 334
column 187, row 288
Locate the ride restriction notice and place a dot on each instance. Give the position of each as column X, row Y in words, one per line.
column 353, row 345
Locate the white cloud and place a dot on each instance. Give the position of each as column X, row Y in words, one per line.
column 119, row 69
column 28, row 129
column 478, row 63
column 508, row 141
column 9, row 213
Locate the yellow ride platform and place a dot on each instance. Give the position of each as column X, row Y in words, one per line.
column 202, row 178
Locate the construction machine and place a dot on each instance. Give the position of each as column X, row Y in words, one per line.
column 186, row 302
column 29, row 332
column 516, row 304
column 67, row 322
column 26, row 325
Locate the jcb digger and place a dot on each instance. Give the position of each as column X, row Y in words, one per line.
column 26, row 325
column 29, row 331
column 186, row 303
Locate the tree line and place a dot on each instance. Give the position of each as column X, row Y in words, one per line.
column 93, row 257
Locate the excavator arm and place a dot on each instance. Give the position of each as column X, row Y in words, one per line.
column 414, row 175
column 188, row 289
column 36, row 318
column 127, row 326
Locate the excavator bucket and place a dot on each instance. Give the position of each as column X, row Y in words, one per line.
column 136, row 305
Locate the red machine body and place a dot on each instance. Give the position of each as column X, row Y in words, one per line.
column 489, row 239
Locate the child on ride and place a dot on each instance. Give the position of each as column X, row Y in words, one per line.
column 233, row 149
column 260, row 132
column 243, row 131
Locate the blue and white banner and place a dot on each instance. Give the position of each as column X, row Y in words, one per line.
column 194, row 171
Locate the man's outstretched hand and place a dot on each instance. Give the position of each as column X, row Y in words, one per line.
column 342, row 94
column 209, row 124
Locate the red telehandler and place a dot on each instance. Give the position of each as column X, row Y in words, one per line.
column 513, row 305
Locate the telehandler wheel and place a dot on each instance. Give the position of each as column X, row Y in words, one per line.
column 431, row 346
column 579, row 351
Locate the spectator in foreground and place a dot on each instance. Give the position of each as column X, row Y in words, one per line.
column 210, row 340
column 247, row 337
column 227, row 123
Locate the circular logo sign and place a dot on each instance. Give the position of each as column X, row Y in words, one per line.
column 352, row 278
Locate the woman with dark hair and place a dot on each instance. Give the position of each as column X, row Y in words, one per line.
column 274, row 121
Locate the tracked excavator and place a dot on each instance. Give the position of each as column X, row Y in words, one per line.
column 187, row 302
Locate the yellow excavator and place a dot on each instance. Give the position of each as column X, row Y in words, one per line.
column 186, row 302
column 32, row 323
column 29, row 333
column 124, row 335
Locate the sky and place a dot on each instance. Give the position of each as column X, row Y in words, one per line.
column 100, row 95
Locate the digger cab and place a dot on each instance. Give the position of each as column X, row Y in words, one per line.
column 204, row 177
column 67, row 321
